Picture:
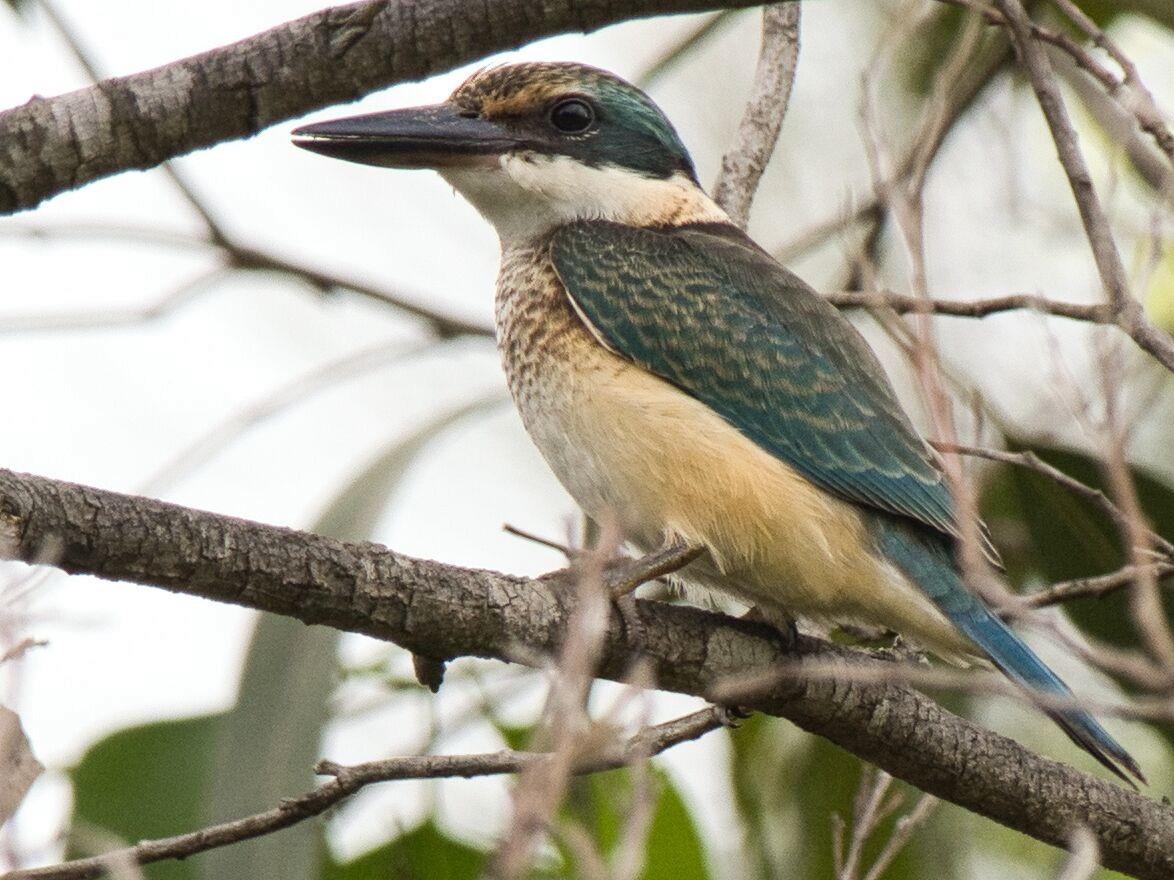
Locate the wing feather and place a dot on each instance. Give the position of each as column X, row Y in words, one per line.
column 710, row 312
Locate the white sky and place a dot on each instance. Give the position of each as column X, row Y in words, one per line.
column 111, row 407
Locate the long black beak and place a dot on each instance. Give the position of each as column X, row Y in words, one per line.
column 439, row 136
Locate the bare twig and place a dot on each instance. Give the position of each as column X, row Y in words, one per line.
column 1139, row 540
column 349, row 779
column 871, row 808
column 1094, row 587
column 182, row 294
column 237, row 256
column 1084, row 858
column 758, row 131
column 901, row 835
column 566, row 550
column 978, row 308
column 322, row 378
column 1128, row 312
column 1130, row 92
column 21, row 648
column 569, row 728
column 1137, row 97
column 1031, row 461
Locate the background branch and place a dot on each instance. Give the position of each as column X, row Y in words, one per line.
column 50, row 145
column 348, row 780
column 758, row 132
column 446, row 612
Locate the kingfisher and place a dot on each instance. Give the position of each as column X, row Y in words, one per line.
column 681, row 382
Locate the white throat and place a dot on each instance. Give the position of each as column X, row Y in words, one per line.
column 526, row 195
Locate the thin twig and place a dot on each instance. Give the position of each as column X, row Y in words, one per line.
column 977, row 308
column 238, row 256
column 901, row 835
column 569, row 552
column 322, row 378
column 1128, row 312
column 349, row 779
column 1095, row 587
column 568, row 726
column 1031, row 461
column 1137, row 100
column 183, row 293
column 1084, row 855
column 244, row 257
column 870, row 809
column 758, row 132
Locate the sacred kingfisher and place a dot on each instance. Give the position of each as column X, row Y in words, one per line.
column 679, row 380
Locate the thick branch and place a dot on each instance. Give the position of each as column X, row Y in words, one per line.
column 339, row 54
column 442, row 611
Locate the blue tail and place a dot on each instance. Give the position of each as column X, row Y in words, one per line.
column 929, row 563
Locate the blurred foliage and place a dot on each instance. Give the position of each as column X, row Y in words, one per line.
column 602, row 804
column 790, row 788
column 1047, row 533
column 928, row 53
column 1159, row 294
column 271, row 737
column 142, row 783
column 1106, row 12
column 424, row 853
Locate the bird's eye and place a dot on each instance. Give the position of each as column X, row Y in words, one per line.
column 572, row 116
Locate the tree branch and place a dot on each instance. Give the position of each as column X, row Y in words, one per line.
column 49, row 145
column 445, row 612
column 1127, row 310
column 348, row 780
column 758, row 132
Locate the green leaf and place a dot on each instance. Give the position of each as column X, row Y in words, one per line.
column 142, row 783
column 675, row 849
column 1105, row 12
column 929, row 49
column 267, row 748
column 602, row 804
column 424, row 853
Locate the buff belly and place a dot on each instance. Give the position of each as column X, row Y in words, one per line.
column 631, row 447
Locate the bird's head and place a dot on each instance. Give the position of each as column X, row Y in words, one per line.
column 533, row 146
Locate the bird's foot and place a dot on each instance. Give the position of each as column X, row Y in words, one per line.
column 732, row 716
column 630, row 617
column 783, row 624
column 623, row 579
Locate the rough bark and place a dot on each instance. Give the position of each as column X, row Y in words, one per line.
column 444, row 612
column 50, row 145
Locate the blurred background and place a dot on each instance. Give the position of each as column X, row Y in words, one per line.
column 142, row 357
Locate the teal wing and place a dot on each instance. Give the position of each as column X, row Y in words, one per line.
column 707, row 310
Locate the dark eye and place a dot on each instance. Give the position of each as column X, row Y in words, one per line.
column 572, row 116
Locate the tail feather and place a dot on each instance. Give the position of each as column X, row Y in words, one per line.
column 929, row 564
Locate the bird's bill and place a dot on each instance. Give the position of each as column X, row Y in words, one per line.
column 438, row 136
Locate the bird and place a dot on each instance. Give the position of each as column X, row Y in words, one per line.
column 682, row 383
